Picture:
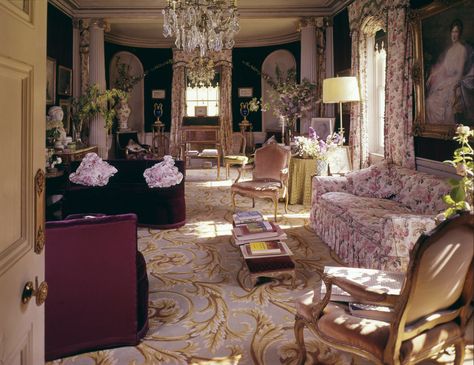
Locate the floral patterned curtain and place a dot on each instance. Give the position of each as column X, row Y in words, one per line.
column 365, row 18
column 178, row 105
column 399, row 143
column 181, row 59
column 225, row 106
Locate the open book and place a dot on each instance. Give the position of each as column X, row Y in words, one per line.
column 386, row 281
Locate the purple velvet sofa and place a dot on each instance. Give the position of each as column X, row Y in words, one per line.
column 128, row 192
column 98, row 285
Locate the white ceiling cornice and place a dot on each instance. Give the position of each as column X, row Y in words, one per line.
column 169, row 43
column 73, row 9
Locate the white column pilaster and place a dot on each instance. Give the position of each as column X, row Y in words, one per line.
column 308, row 61
column 329, row 108
column 97, row 131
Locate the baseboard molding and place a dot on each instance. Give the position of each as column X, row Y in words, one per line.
column 435, row 168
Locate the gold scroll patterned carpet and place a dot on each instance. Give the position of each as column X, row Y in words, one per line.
column 202, row 308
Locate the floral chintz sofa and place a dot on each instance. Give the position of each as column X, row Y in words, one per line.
column 372, row 217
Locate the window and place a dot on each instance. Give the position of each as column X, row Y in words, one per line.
column 376, row 66
column 203, row 96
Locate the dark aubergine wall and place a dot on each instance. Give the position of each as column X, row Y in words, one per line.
column 59, row 41
column 342, row 59
column 243, row 76
column 158, row 79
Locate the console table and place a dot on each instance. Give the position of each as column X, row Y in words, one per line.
column 67, row 156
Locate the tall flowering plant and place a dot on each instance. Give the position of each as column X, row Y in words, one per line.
column 461, row 197
column 315, row 147
column 289, row 100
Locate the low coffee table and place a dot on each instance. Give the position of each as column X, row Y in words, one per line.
column 270, row 266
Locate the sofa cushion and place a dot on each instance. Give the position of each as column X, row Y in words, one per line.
column 421, row 192
column 377, row 181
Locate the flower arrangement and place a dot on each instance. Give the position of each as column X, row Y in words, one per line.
column 461, row 197
column 314, row 147
column 255, row 104
column 290, row 100
column 93, row 102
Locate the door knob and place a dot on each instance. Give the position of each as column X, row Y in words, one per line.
column 40, row 292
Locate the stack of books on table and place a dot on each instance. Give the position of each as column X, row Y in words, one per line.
column 257, row 231
column 247, row 217
column 260, row 249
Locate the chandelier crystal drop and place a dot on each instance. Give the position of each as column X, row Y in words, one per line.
column 201, row 72
column 204, row 24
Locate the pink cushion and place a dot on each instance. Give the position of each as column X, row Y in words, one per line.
column 376, row 181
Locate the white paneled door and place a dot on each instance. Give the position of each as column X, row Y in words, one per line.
column 22, row 136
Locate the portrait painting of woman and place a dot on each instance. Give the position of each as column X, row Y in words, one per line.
column 449, row 70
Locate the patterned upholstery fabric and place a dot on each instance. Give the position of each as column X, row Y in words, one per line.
column 366, row 230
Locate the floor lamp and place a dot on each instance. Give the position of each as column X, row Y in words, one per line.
column 340, row 90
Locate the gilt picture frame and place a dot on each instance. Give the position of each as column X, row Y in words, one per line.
column 64, row 81
column 245, row 92
column 443, row 34
column 50, row 81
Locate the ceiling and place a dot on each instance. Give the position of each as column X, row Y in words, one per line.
column 139, row 23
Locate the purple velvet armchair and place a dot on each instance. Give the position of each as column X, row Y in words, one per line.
column 98, row 285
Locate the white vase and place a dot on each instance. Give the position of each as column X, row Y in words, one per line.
column 321, row 167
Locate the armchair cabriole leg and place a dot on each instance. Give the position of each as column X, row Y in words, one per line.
column 459, row 349
column 253, row 202
column 275, row 204
column 299, row 335
column 233, row 201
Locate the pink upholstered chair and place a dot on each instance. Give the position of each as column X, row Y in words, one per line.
column 98, row 285
column 429, row 315
column 269, row 176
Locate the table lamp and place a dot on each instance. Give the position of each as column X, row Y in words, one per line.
column 340, row 90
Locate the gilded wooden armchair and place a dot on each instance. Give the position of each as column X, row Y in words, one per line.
column 429, row 315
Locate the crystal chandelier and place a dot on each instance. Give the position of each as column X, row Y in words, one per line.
column 207, row 24
column 200, row 72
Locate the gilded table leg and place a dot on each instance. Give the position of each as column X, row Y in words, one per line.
column 227, row 167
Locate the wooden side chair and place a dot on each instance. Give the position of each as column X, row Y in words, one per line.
column 237, row 156
column 269, row 177
column 429, row 314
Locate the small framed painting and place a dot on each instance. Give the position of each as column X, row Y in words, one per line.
column 65, row 105
column 50, row 81
column 339, row 161
column 323, row 126
column 64, row 81
column 158, row 94
column 245, row 92
column 200, row 111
